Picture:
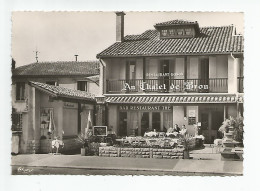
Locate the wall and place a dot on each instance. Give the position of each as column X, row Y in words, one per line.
column 178, row 117
column 218, row 66
column 232, row 111
column 152, row 67
column 70, row 120
column 232, row 74
column 57, row 106
column 113, row 117
column 193, row 68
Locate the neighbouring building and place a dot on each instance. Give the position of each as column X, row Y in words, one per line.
column 178, row 73
column 56, row 97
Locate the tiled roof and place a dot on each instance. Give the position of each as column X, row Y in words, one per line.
column 165, row 99
column 175, row 22
column 87, row 68
column 58, row 91
column 211, row 40
column 94, row 79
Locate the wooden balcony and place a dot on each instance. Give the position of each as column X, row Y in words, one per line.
column 240, row 84
column 213, row 85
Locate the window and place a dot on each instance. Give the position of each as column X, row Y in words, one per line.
column 17, row 121
column 171, row 32
column 180, row 31
column 188, row 31
column 20, row 89
column 82, row 85
column 164, row 32
column 52, row 83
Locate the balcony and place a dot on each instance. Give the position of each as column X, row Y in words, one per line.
column 213, row 85
column 240, row 84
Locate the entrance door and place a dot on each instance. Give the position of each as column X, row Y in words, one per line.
column 156, row 121
column 144, row 123
column 217, row 119
column 204, row 74
column 131, row 74
column 205, row 127
column 122, row 124
column 165, row 69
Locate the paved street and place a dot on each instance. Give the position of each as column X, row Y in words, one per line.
column 201, row 164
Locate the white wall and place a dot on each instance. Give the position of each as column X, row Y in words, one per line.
column 113, row 117
column 178, row 117
column 179, row 68
column 193, row 68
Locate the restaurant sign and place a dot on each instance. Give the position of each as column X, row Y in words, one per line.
column 145, row 107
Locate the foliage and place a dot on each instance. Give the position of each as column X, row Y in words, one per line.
column 237, row 124
column 185, row 141
column 238, row 129
column 82, row 140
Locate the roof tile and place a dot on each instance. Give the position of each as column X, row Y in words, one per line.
column 88, row 68
column 210, row 40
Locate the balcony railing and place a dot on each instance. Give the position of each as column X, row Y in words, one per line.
column 212, row 85
column 240, row 84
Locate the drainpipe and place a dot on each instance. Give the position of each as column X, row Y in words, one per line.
column 103, row 66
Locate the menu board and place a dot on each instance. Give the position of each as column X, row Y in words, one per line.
column 100, row 130
column 191, row 120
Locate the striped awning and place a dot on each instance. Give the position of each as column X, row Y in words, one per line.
column 162, row 99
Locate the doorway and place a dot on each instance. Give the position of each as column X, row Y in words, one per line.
column 122, row 124
column 156, row 121
column 211, row 118
column 144, row 122
column 204, row 74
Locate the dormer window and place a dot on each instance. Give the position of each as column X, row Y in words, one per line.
column 178, row 29
column 188, row 31
column 164, row 32
column 171, row 32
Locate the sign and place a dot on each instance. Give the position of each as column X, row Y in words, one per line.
column 192, row 113
column 145, row 107
column 100, row 130
column 69, row 105
column 191, row 120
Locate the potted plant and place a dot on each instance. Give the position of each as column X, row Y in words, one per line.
column 83, row 141
column 233, row 130
column 185, row 141
column 238, row 131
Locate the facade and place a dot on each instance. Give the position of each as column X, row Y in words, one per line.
column 178, row 73
column 52, row 99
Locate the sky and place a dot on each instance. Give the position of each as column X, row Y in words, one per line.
column 58, row 36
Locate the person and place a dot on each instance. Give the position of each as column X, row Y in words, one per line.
column 176, row 128
column 170, row 130
column 183, row 130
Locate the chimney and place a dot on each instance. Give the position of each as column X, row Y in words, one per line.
column 120, row 26
column 76, row 57
column 13, row 64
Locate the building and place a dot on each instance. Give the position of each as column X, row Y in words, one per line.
column 52, row 99
column 178, row 73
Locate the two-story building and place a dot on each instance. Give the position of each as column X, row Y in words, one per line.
column 178, row 73
column 52, row 99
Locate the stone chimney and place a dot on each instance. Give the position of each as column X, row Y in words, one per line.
column 120, row 26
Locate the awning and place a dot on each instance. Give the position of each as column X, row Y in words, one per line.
column 166, row 99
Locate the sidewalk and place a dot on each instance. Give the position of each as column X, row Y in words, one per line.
column 130, row 164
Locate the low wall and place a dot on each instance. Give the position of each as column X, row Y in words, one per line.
column 32, row 146
column 70, row 144
column 176, row 153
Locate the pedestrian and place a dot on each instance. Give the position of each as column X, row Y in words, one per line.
column 176, row 128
